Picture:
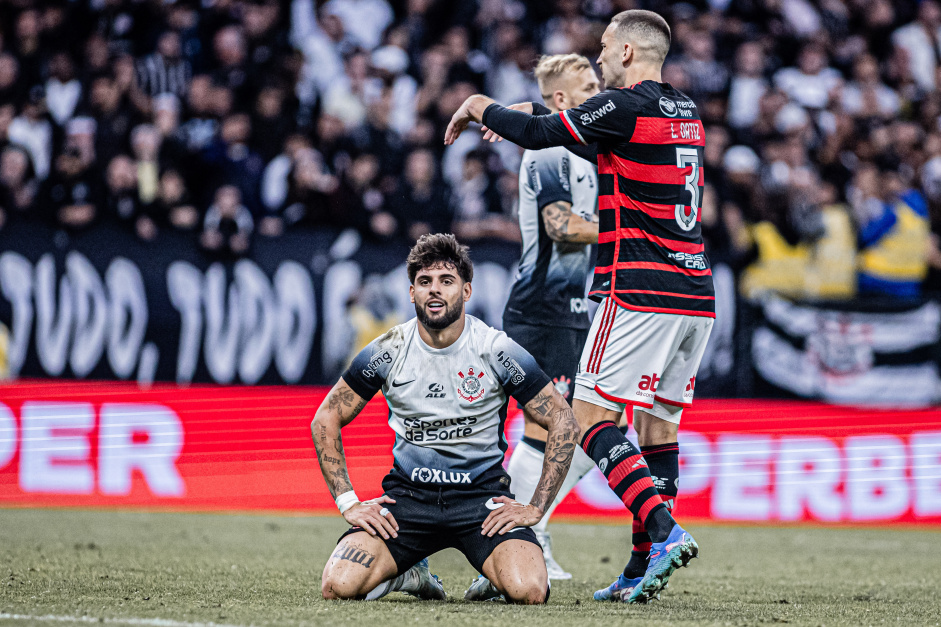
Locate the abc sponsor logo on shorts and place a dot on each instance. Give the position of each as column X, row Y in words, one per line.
column 433, row 475
column 419, row 430
column 647, row 386
column 578, row 305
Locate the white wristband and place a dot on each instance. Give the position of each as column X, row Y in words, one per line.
column 347, row 500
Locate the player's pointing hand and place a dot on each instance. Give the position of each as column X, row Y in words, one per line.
column 508, row 515
column 374, row 517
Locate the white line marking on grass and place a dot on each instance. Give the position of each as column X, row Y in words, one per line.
column 149, row 622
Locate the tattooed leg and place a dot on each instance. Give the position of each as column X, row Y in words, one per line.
column 358, row 564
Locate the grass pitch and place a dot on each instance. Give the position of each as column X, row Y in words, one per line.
column 161, row 569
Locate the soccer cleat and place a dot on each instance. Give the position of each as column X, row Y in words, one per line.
column 482, row 590
column 665, row 557
column 621, row 587
column 429, row 587
column 552, row 567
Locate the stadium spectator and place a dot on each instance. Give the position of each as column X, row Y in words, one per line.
column 867, row 96
column 921, row 43
column 33, row 130
column 113, row 116
column 422, row 204
column 812, row 82
column 124, row 205
column 478, row 206
column 72, row 196
column 174, row 207
column 63, row 89
column 10, row 85
column 228, row 225
column 364, row 20
column 165, row 71
column 748, row 85
column 18, row 185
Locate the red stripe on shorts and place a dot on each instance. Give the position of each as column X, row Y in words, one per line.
column 594, row 347
column 603, row 333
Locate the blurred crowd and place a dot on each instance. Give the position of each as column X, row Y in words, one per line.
column 237, row 119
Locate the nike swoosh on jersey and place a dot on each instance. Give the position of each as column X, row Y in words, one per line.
column 579, row 179
column 396, row 384
column 491, row 505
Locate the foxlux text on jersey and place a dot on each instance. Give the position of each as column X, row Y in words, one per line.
column 433, row 475
column 418, row 430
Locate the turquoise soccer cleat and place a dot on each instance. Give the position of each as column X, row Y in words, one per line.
column 665, row 557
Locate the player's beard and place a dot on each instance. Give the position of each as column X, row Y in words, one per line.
column 445, row 319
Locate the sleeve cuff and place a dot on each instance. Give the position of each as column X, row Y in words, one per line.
column 540, row 109
column 528, row 393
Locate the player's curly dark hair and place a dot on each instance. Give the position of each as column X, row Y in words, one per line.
column 443, row 248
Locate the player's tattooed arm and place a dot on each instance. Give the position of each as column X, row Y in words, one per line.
column 566, row 227
column 551, row 411
column 338, row 409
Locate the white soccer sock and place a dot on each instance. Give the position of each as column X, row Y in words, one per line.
column 525, row 468
column 581, row 464
column 406, row 582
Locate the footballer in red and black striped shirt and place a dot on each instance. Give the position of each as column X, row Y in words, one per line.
column 652, row 276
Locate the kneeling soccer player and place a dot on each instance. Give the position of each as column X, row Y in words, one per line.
column 447, row 378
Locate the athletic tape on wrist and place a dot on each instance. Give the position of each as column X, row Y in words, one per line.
column 346, row 501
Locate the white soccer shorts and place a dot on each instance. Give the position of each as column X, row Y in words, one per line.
column 647, row 360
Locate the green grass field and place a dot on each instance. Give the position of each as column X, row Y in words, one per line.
column 166, row 570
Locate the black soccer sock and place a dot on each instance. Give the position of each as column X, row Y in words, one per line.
column 663, row 460
column 627, row 474
column 640, row 552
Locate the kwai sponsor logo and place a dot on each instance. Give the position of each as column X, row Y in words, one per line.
column 592, row 116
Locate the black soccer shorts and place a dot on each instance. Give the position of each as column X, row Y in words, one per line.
column 556, row 350
column 435, row 518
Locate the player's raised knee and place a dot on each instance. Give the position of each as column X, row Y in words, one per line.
column 337, row 587
column 527, row 589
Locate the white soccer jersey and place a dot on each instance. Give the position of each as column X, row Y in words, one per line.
column 447, row 406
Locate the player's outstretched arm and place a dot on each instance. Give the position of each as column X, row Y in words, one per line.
column 338, row 409
column 564, row 226
column 549, row 410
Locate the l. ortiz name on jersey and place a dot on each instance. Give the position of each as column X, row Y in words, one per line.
column 447, row 406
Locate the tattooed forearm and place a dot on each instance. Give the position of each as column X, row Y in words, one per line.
column 566, row 227
column 338, row 480
column 345, row 402
column 340, row 407
column 560, row 448
column 540, row 406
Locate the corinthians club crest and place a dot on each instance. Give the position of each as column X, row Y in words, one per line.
column 471, row 387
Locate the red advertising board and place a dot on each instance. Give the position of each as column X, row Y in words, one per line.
column 244, row 448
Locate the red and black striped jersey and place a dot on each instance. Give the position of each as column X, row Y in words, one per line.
column 649, row 142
